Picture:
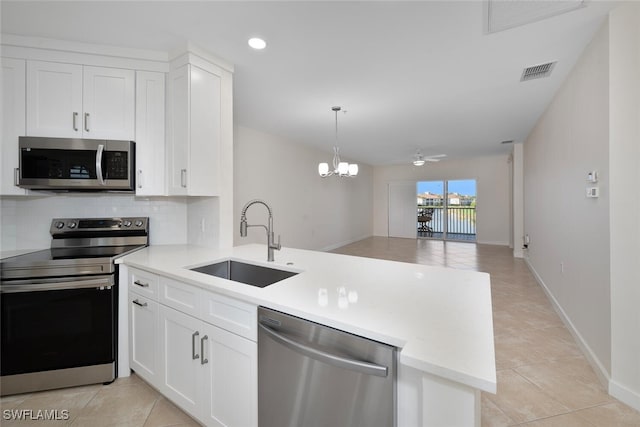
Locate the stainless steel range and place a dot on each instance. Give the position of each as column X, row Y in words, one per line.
column 60, row 305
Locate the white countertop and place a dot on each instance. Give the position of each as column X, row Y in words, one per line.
column 440, row 318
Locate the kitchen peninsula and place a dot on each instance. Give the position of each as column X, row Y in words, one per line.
column 440, row 319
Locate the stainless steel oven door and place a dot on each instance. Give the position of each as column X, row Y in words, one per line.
column 57, row 332
column 76, row 164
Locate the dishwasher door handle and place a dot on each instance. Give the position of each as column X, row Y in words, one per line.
column 322, row 356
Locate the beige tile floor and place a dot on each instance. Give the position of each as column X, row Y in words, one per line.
column 127, row 402
column 543, row 379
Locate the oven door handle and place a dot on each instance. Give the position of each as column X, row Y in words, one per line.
column 56, row 284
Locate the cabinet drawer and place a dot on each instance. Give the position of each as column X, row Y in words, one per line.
column 180, row 296
column 143, row 283
column 227, row 313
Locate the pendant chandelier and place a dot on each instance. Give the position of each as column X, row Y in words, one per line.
column 341, row 169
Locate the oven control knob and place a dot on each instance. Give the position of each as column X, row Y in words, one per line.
column 126, row 223
column 59, row 224
column 138, row 223
column 72, row 224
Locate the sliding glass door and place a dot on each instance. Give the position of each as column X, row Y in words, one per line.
column 447, row 210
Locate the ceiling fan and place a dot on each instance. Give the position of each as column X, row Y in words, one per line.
column 419, row 159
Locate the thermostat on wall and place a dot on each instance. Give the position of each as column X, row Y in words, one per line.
column 592, row 177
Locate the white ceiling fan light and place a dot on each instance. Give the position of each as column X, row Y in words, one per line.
column 419, row 159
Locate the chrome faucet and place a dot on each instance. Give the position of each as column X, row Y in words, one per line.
column 270, row 241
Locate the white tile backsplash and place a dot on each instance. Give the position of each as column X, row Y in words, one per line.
column 25, row 221
column 202, row 221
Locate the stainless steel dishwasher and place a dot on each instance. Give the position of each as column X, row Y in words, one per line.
column 310, row 375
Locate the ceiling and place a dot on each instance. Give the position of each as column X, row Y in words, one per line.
column 411, row 75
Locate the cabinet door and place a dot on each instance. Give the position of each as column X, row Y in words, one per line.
column 54, row 99
column 204, row 155
column 149, row 139
column 181, row 375
column 231, row 388
column 108, row 103
column 13, row 122
column 178, row 130
column 143, row 336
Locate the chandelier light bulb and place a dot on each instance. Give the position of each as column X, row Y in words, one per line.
column 353, row 169
column 343, row 168
column 323, row 169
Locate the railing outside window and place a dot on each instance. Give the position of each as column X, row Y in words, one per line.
column 460, row 219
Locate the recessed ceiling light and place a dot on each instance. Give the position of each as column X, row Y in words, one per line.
column 257, row 43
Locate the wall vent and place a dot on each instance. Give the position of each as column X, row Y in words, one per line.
column 508, row 141
column 537, row 71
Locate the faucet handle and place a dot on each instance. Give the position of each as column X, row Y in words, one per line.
column 278, row 246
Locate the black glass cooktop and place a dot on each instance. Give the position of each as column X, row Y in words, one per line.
column 68, row 253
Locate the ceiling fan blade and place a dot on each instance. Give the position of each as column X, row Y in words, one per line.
column 436, row 156
column 428, row 159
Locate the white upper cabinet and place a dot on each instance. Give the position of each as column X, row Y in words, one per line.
column 150, row 128
column 69, row 100
column 193, row 131
column 108, row 101
column 13, row 123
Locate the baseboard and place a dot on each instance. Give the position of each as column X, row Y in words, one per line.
column 495, row 243
column 593, row 360
column 624, row 394
column 344, row 243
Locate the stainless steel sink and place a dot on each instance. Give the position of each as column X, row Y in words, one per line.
column 254, row 275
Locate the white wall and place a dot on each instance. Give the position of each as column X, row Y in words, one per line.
column 491, row 173
column 25, row 221
column 624, row 160
column 569, row 246
column 517, row 200
column 309, row 212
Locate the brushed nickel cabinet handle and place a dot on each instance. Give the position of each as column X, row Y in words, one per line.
column 75, row 121
column 183, row 178
column 86, row 122
column 141, row 304
column 204, row 359
column 194, row 336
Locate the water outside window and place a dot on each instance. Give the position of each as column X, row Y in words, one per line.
column 453, row 200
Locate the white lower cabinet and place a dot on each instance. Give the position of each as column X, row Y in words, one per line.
column 182, row 372
column 143, row 333
column 209, row 372
column 231, row 380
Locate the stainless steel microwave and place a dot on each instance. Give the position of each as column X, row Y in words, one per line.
column 71, row 164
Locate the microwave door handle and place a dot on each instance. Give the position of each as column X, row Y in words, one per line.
column 99, row 164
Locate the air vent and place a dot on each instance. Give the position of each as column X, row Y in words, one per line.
column 509, row 141
column 537, row 71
